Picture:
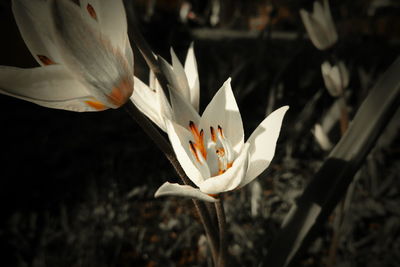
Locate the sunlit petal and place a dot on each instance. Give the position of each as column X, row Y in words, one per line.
column 169, row 189
column 223, row 111
column 173, row 79
column 183, row 111
column 33, row 21
column 263, row 142
column 111, row 18
column 50, row 86
column 230, row 179
column 90, row 56
column 192, row 77
column 179, row 138
column 145, row 100
column 182, row 85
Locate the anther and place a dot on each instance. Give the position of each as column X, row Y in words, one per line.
column 45, row 60
column 91, row 11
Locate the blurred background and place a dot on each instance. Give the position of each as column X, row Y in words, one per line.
column 76, row 189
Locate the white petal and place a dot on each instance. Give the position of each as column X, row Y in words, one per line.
column 224, row 111
column 49, row 86
column 146, row 100
column 230, row 179
column 34, row 21
column 168, row 189
column 331, row 79
column 173, row 79
column 183, row 111
column 315, row 31
column 180, row 76
column 263, row 142
column 344, row 75
column 129, row 53
column 192, row 77
column 179, row 138
column 90, row 56
column 321, row 138
column 111, row 18
column 333, row 36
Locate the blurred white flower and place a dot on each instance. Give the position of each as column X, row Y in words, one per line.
column 183, row 80
column 321, row 138
column 336, row 77
column 211, row 148
column 319, row 25
column 86, row 61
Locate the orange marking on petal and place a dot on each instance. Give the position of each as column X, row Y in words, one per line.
column 229, row 165
column 121, row 93
column 45, row 60
column 91, row 11
column 214, row 195
column 96, row 105
column 213, row 136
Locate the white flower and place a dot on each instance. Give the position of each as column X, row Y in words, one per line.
column 211, row 148
column 86, row 61
column 184, row 81
column 320, row 26
column 336, row 78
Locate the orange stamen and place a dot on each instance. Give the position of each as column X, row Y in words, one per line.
column 121, row 93
column 96, row 105
column 45, row 60
column 213, row 136
column 193, row 150
column 91, row 11
column 198, row 139
column 220, row 131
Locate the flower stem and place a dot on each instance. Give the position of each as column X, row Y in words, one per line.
column 219, row 206
column 166, row 148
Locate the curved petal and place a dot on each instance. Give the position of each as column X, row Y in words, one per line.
column 230, row 179
column 224, row 111
column 262, row 144
column 146, row 100
column 179, row 138
column 180, row 75
column 331, row 79
column 174, row 79
column 183, row 111
column 49, row 86
column 169, row 189
column 333, row 36
column 192, row 76
column 315, row 31
column 90, row 56
column 33, row 21
column 111, row 18
column 321, row 137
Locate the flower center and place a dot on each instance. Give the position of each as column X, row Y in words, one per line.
column 216, row 151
